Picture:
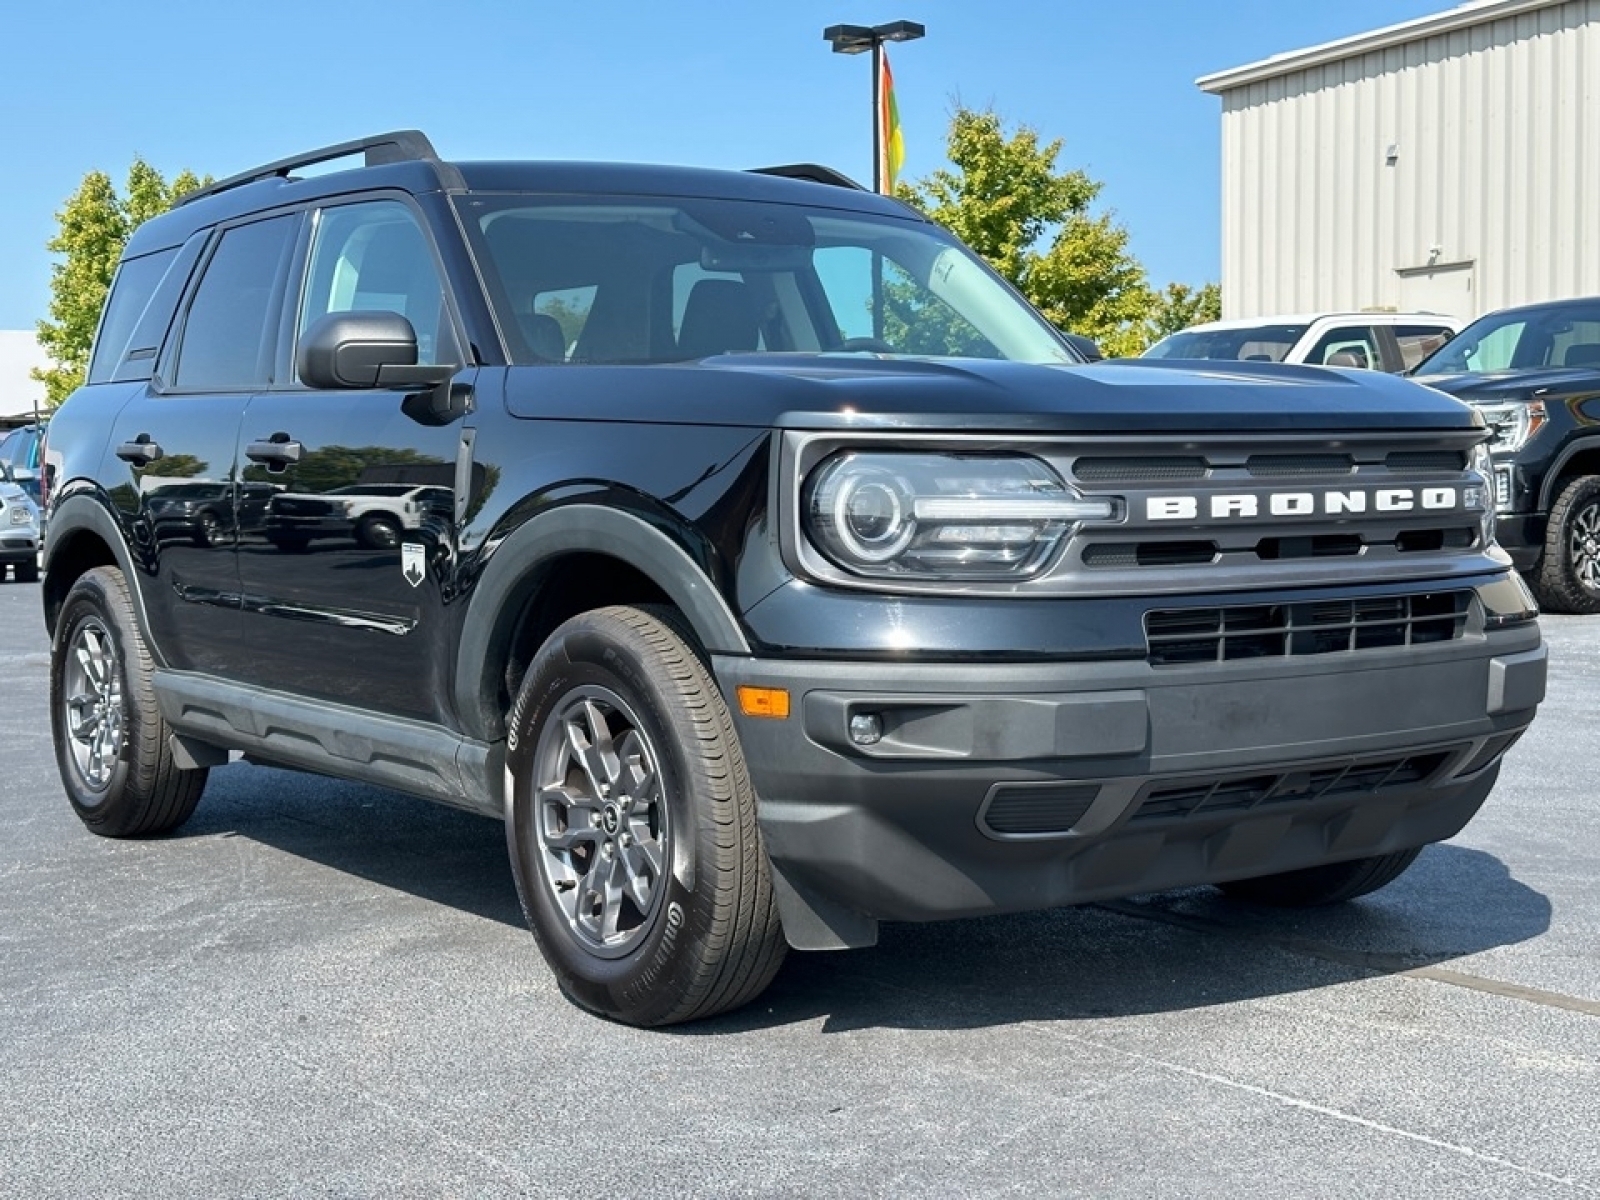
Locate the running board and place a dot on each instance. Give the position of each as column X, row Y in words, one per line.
column 332, row 739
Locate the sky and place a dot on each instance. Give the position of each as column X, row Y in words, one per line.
column 218, row 86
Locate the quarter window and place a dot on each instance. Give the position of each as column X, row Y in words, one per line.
column 229, row 333
column 135, row 283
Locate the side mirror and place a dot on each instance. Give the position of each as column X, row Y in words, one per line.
column 365, row 350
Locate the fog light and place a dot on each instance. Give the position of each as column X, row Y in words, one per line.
column 866, row 729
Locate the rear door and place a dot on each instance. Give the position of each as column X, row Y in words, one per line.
column 347, row 560
column 173, row 443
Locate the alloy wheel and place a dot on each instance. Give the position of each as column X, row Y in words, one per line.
column 602, row 827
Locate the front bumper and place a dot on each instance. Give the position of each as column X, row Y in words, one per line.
column 19, row 546
column 1006, row 787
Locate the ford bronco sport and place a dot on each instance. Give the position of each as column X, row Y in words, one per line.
column 791, row 573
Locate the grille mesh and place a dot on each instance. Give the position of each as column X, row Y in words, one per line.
column 1176, row 801
column 1180, row 636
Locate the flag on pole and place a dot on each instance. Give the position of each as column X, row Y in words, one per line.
column 894, row 146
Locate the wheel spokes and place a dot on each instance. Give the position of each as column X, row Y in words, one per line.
column 601, row 820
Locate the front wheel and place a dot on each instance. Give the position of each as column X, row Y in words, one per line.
column 1333, row 883
column 632, row 825
column 1567, row 578
column 111, row 741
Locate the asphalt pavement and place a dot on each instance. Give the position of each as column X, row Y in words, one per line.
column 322, row 989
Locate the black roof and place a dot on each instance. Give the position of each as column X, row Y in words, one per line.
column 263, row 189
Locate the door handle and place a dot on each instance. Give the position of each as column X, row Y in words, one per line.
column 279, row 450
column 141, row 451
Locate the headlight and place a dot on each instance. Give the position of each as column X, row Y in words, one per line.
column 1482, row 465
column 893, row 515
column 1513, row 422
column 20, row 514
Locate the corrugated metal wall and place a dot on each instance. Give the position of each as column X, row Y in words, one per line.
column 1459, row 172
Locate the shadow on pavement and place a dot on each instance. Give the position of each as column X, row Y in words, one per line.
column 1156, row 953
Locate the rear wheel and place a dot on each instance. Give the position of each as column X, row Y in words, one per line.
column 1331, row 884
column 1567, row 578
column 111, row 741
column 632, row 825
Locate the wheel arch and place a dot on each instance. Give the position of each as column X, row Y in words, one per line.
column 1579, row 458
column 82, row 536
column 563, row 561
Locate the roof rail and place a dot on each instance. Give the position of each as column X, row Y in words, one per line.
column 812, row 172
column 401, row 145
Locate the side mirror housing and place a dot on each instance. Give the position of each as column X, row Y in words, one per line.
column 365, row 350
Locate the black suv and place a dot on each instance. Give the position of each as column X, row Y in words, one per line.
column 1534, row 374
column 771, row 568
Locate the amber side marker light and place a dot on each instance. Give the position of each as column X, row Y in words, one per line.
column 763, row 702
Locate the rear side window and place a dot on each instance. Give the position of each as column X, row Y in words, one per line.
column 1419, row 341
column 227, row 343
column 1348, row 346
column 131, row 291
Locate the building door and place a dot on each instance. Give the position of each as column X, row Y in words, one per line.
column 1440, row 288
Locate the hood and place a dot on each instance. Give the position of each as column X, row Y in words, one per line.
column 1497, row 385
column 808, row 391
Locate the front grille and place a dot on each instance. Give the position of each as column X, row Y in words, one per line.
column 1182, row 636
column 1278, row 465
column 1139, row 470
column 1175, row 801
column 1426, row 460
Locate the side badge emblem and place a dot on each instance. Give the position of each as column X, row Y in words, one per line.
column 414, row 562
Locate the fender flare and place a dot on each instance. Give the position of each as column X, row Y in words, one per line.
column 82, row 512
column 1547, row 485
column 576, row 528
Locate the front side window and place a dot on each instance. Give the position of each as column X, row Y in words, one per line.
column 671, row 280
column 1567, row 335
column 374, row 257
column 231, row 326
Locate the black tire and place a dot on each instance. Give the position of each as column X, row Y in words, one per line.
column 701, row 935
column 27, row 572
column 1566, row 578
column 1331, row 884
column 378, row 533
column 208, row 529
column 115, row 761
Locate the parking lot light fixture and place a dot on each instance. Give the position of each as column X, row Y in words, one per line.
column 858, row 39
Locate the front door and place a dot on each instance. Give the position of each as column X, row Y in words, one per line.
column 347, row 566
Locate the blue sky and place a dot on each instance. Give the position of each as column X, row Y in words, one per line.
column 219, row 86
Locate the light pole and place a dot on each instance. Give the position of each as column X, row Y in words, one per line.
column 857, row 39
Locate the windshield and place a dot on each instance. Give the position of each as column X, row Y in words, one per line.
column 1258, row 343
column 667, row 279
column 1522, row 339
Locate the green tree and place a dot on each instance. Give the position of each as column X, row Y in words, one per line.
column 92, row 228
column 1006, row 198
column 1181, row 306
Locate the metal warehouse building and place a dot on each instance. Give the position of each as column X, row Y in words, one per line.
column 1449, row 164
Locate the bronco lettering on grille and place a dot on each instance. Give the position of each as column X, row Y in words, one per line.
column 1251, row 505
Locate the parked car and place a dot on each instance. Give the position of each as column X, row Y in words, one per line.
column 1379, row 341
column 22, row 450
column 19, row 528
column 771, row 569
column 1534, row 374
